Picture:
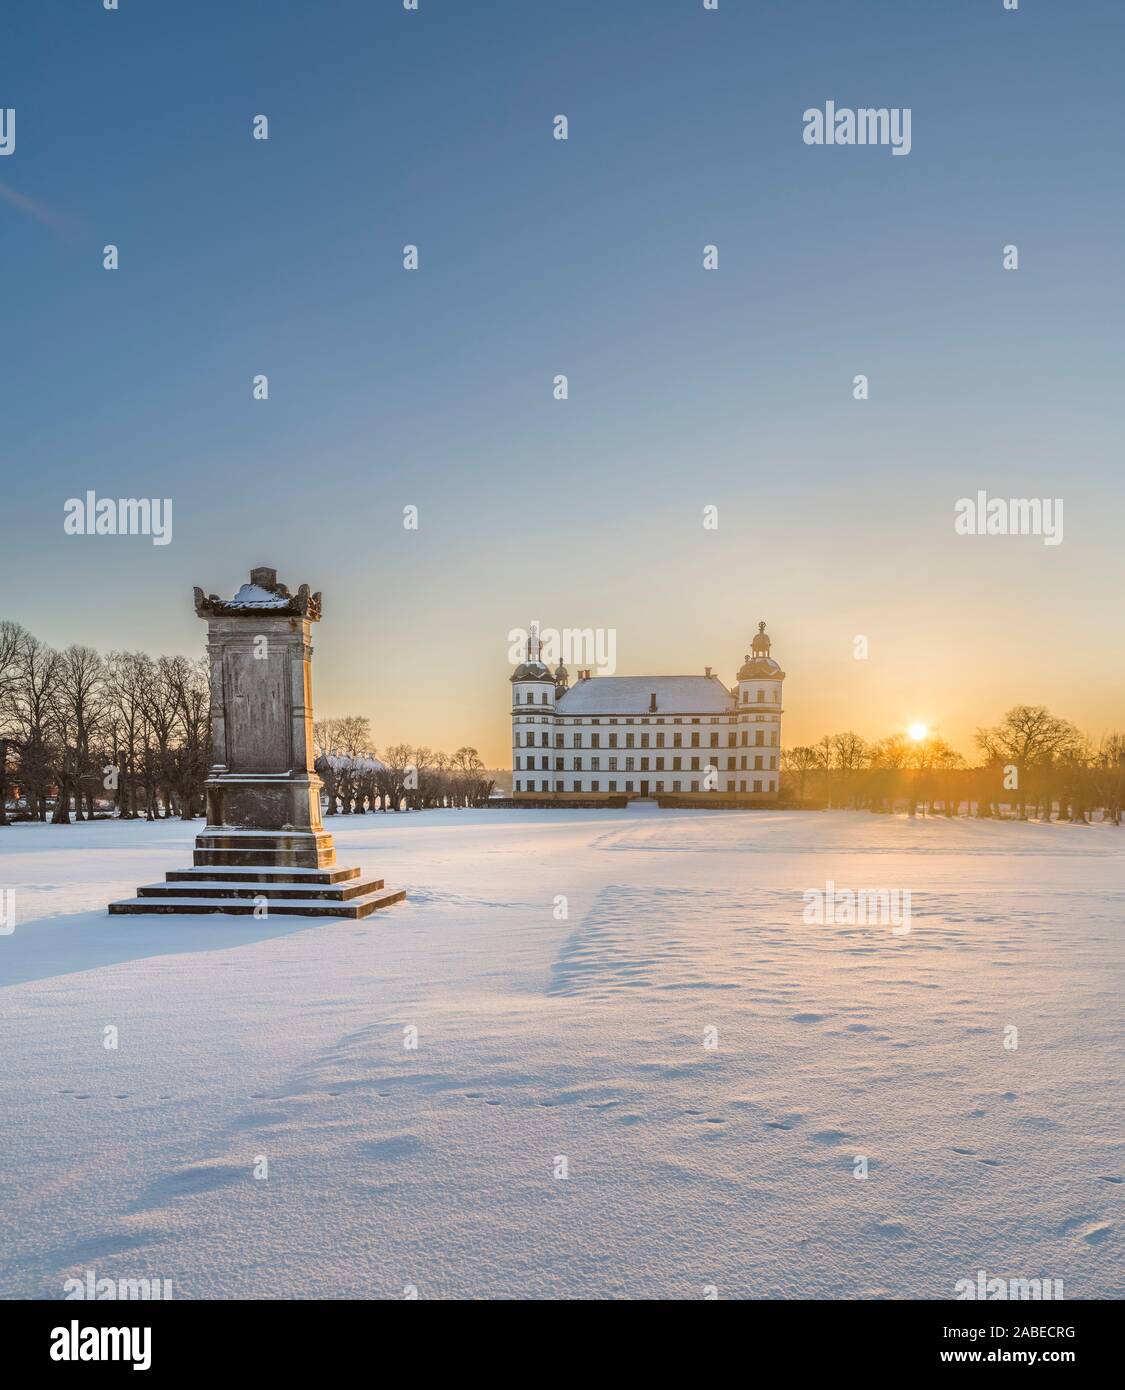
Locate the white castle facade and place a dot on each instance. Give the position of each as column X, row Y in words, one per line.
column 647, row 735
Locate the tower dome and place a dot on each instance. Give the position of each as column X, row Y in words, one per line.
column 532, row 669
column 758, row 663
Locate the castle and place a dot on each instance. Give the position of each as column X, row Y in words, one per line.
column 646, row 736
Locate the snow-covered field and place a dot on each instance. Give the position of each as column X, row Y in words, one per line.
column 584, row 1038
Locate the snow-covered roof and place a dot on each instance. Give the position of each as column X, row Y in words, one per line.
column 633, row 695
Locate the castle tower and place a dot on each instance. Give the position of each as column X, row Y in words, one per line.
column 758, row 694
column 533, row 723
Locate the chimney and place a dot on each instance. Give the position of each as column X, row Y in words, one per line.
column 652, row 703
column 707, row 672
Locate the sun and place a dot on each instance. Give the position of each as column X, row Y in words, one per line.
column 918, row 732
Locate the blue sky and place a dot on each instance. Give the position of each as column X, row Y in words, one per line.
column 687, row 388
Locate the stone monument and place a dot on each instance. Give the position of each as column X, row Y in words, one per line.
column 264, row 840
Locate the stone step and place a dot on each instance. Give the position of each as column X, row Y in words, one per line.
column 290, row 855
column 353, row 908
column 249, row 887
column 270, row 873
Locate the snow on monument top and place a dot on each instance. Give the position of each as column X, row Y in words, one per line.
column 263, row 594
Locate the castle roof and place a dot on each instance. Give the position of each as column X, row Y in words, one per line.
column 633, row 695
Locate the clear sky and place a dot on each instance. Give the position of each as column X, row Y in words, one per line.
column 688, row 387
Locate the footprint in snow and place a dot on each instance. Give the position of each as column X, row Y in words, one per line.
column 1095, row 1233
column 784, row 1122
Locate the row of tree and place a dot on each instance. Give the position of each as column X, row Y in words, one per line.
column 356, row 780
column 129, row 734
column 77, row 729
column 1031, row 764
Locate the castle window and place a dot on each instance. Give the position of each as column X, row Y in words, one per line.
column 695, row 786
column 595, row 740
column 714, row 740
column 613, row 764
column 694, row 767
column 677, row 763
column 757, row 763
column 759, row 737
column 677, row 740
column 660, row 740
column 644, row 740
column 595, row 764
column 529, row 698
column 578, row 740
column 613, row 740
column 543, row 698
column 695, row 740
column 644, row 764
column 742, row 786
column 629, row 764
column 660, row 764
column 613, row 786
column 660, row 786
column 595, row 786
column 757, row 784
column 675, row 786
column 517, row 785
column 629, row 740
column 576, row 786
column 628, row 786
column 578, row 764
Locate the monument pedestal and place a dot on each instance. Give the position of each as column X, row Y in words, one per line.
column 264, row 841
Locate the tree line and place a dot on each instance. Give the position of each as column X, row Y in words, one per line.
column 129, row 735
column 357, row 779
column 80, row 730
column 1031, row 765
